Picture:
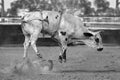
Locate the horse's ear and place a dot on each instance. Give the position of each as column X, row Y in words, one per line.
column 87, row 34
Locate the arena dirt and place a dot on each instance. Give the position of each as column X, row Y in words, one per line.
column 83, row 63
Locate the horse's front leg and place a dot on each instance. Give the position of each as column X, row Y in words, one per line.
column 62, row 56
column 63, row 46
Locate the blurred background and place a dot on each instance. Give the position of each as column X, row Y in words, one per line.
column 100, row 14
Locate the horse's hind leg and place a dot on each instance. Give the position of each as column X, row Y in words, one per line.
column 33, row 39
column 26, row 45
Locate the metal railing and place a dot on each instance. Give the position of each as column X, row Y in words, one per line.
column 101, row 19
column 94, row 22
column 85, row 19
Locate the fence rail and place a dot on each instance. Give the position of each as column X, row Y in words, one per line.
column 86, row 19
column 101, row 19
column 11, row 33
column 105, row 23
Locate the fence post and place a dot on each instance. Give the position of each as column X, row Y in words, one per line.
column 3, row 10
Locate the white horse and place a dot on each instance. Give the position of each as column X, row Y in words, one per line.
column 62, row 27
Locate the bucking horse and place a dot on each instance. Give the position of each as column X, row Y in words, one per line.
column 62, row 27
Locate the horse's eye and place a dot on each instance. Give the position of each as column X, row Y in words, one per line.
column 97, row 40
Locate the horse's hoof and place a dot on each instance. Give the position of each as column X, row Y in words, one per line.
column 64, row 60
column 24, row 58
column 39, row 56
column 60, row 59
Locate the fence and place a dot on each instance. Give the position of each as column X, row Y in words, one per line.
column 85, row 19
column 101, row 19
column 11, row 34
column 95, row 22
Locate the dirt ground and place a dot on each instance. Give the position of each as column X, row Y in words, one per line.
column 83, row 63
